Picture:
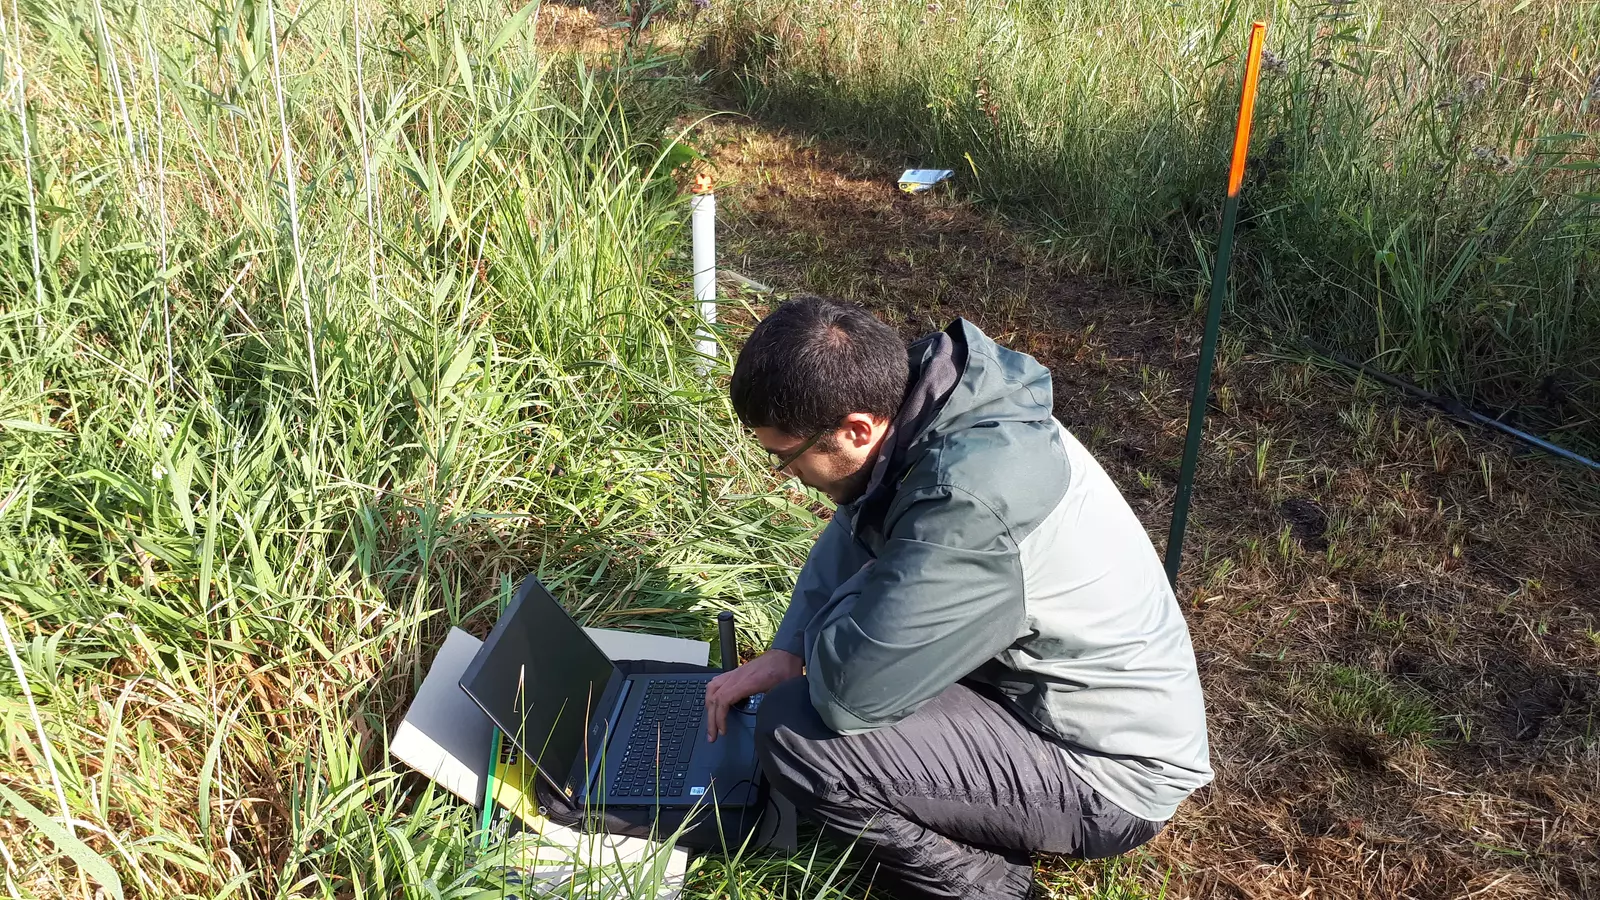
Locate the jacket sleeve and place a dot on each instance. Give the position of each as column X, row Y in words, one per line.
column 832, row 560
column 944, row 596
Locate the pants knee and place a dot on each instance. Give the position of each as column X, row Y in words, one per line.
column 789, row 736
column 782, row 709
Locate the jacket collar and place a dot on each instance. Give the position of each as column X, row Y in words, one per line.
column 937, row 363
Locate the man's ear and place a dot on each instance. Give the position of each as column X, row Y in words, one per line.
column 860, row 429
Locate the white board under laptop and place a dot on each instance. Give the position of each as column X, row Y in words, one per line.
column 446, row 737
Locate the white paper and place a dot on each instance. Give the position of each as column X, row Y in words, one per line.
column 554, row 855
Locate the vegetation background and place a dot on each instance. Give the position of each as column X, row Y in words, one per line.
column 1423, row 190
column 323, row 323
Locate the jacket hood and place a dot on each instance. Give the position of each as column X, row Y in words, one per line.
column 959, row 379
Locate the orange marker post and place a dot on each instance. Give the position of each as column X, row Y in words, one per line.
column 1247, row 108
column 1219, row 288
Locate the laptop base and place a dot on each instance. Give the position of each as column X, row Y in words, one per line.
column 665, row 760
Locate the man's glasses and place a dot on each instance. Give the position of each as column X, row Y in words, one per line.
column 779, row 463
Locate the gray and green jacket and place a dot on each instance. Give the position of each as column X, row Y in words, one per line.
column 990, row 545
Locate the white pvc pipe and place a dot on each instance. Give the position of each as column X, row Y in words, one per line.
column 703, row 223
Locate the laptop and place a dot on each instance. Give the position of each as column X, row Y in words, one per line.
column 596, row 735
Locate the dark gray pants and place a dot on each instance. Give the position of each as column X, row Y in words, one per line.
column 949, row 802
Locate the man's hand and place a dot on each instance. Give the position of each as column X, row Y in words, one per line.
column 757, row 676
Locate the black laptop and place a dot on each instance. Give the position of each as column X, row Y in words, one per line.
column 600, row 737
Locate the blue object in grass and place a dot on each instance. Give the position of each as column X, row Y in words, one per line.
column 915, row 181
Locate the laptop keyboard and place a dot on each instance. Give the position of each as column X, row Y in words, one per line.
column 656, row 760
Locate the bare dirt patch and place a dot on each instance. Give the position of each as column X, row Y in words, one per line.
column 587, row 30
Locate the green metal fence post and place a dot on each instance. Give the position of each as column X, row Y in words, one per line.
column 1219, row 287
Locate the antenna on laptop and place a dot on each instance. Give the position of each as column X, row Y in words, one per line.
column 725, row 641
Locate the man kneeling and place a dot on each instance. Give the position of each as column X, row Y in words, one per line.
column 982, row 657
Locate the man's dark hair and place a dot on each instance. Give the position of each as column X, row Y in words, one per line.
column 812, row 362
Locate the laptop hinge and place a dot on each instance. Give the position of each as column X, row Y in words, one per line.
column 598, row 755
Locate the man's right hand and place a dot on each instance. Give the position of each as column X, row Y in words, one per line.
column 757, row 676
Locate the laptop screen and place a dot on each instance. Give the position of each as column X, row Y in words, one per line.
column 539, row 677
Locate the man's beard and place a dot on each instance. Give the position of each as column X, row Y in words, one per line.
column 845, row 486
column 852, row 487
column 849, row 488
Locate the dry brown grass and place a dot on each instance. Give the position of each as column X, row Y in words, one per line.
column 1395, row 616
column 580, row 29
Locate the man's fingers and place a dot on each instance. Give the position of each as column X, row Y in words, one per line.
column 719, row 725
column 725, row 690
column 714, row 705
column 716, row 710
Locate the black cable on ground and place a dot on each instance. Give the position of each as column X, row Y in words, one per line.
column 1461, row 411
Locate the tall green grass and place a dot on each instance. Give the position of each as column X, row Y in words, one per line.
column 322, row 324
column 1422, row 190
